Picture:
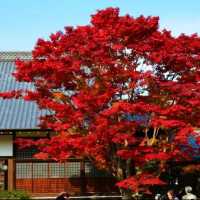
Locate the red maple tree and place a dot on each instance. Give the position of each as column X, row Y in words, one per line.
column 106, row 106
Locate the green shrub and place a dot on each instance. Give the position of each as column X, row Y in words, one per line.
column 20, row 195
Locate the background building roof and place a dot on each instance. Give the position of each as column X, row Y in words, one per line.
column 16, row 113
column 12, row 56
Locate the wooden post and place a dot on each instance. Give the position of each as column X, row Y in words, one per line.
column 11, row 174
column 82, row 178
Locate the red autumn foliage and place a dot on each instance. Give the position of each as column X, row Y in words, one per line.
column 192, row 168
column 93, row 81
column 134, row 183
column 11, row 94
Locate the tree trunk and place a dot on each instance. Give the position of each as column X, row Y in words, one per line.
column 127, row 194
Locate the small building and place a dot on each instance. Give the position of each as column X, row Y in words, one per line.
column 18, row 169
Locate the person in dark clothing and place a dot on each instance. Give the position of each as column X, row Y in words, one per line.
column 63, row 196
column 169, row 196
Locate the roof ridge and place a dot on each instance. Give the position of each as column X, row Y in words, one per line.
column 13, row 55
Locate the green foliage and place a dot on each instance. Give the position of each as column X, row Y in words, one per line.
column 20, row 195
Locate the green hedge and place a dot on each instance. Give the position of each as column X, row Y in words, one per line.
column 20, row 195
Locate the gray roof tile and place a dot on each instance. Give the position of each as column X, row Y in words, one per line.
column 16, row 113
column 13, row 55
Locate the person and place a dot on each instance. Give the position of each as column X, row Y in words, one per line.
column 169, row 196
column 63, row 196
column 157, row 196
column 189, row 195
column 198, row 187
column 180, row 193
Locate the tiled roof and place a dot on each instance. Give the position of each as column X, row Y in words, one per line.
column 16, row 113
column 11, row 56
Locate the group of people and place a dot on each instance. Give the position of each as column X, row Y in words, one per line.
column 63, row 196
column 170, row 195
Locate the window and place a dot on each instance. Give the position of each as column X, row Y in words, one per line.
column 26, row 170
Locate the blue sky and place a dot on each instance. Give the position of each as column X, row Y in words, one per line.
column 23, row 21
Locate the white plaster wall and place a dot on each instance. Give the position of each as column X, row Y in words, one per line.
column 6, row 145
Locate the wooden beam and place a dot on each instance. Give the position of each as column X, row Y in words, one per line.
column 11, row 174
